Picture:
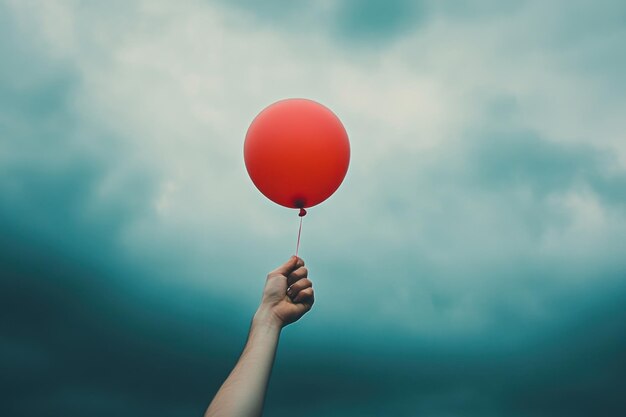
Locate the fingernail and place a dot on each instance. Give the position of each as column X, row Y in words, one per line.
column 289, row 291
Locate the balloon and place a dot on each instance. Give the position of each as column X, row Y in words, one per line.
column 297, row 153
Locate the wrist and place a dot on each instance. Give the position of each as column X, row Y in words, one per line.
column 264, row 318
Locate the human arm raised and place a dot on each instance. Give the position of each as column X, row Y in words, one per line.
column 287, row 296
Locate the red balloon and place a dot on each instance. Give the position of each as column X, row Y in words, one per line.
column 297, row 152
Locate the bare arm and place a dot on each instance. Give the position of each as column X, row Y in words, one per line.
column 287, row 296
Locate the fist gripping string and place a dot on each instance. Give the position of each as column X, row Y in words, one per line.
column 302, row 213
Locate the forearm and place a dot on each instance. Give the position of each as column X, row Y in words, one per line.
column 243, row 392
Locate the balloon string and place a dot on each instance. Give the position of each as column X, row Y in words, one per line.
column 301, row 214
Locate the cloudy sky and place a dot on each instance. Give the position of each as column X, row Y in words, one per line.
column 471, row 264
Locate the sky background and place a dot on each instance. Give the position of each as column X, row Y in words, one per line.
column 471, row 264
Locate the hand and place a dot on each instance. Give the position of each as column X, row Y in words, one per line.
column 288, row 294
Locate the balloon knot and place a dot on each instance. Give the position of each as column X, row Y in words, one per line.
column 302, row 212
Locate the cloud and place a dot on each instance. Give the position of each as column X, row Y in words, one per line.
column 478, row 231
column 372, row 20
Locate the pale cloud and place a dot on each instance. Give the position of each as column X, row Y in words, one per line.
column 177, row 85
column 470, row 264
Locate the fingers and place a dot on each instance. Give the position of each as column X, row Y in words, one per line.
column 297, row 287
column 306, row 296
column 288, row 267
column 296, row 275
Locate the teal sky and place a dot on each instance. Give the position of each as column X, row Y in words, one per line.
column 472, row 263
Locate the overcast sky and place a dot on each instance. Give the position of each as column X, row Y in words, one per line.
column 471, row 264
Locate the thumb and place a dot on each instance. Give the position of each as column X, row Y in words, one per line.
column 288, row 267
